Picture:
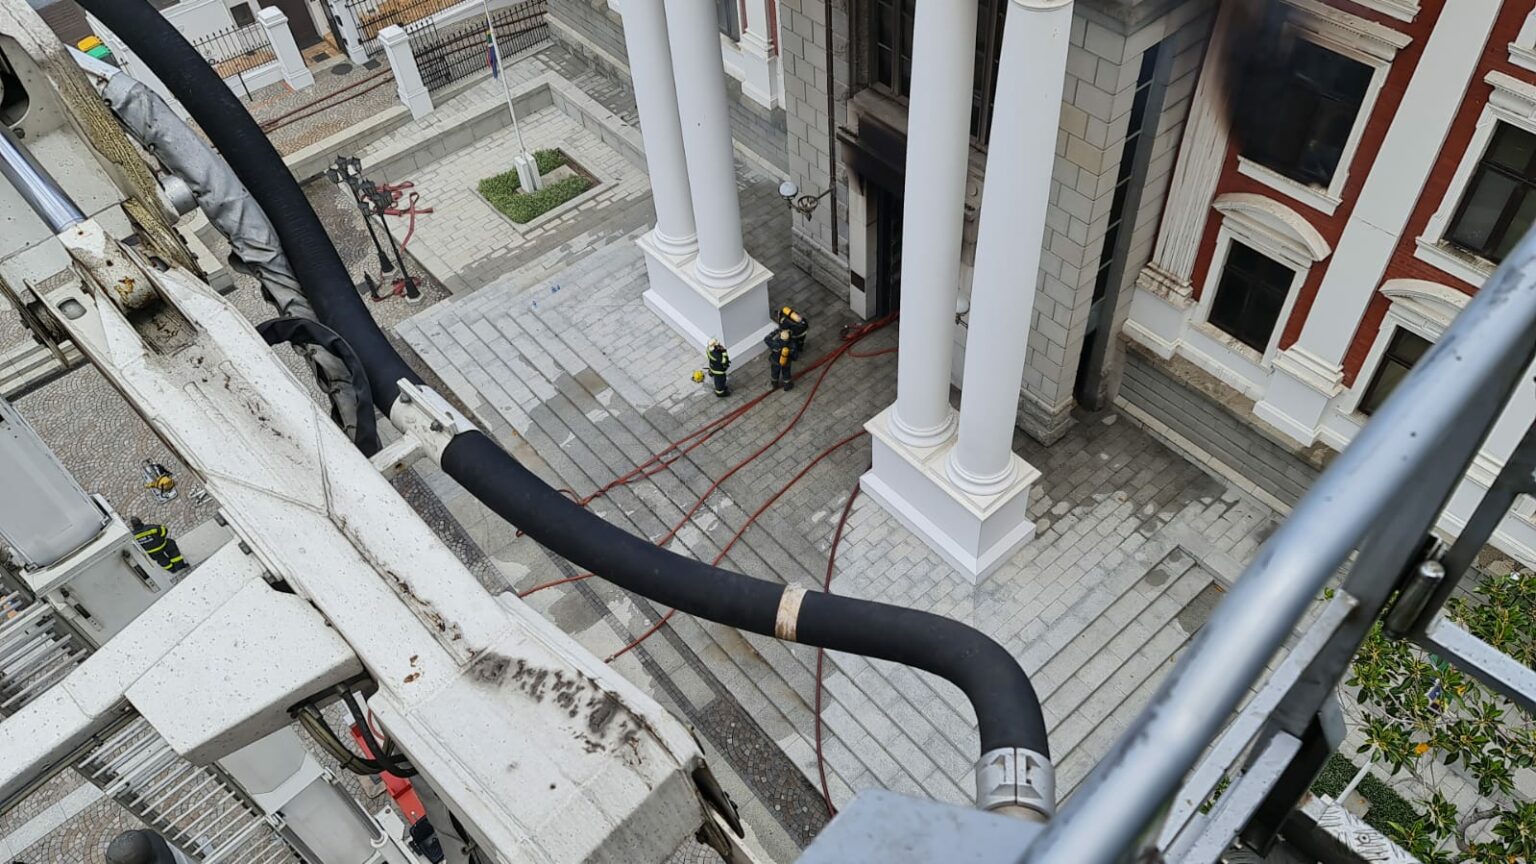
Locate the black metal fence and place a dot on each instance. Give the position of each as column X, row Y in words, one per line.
column 446, row 53
column 236, row 50
column 374, row 15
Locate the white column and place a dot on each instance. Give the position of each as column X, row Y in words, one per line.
column 1202, row 151
column 1309, row 374
column 408, row 84
column 351, row 33
column 938, row 149
column 706, row 122
column 762, row 78
column 650, row 65
column 289, row 58
column 967, row 496
column 710, row 289
column 1021, row 154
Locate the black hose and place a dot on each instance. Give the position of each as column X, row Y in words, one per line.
column 393, row 764
column 1008, row 712
column 250, row 153
column 1007, row 709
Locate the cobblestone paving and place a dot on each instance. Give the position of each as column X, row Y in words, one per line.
column 576, row 377
column 344, row 93
column 84, row 839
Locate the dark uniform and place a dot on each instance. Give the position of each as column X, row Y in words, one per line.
column 781, row 352
column 797, row 325
column 719, row 364
column 158, row 545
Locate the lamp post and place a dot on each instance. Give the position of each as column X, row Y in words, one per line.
column 381, row 201
column 349, row 170
column 527, row 167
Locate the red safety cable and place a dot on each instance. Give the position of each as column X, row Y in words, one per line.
column 825, row 362
column 821, row 654
column 657, row 462
column 410, row 210
column 739, row 532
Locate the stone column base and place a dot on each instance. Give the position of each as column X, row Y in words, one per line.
column 738, row 317
column 976, row 534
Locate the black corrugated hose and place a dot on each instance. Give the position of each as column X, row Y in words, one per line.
column 1008, row 712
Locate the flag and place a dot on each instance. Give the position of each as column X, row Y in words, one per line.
column 490, row 55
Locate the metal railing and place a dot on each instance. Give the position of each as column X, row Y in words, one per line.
column 1378, row 502
column 236, row 50
column 374, row 15
column 452, row 52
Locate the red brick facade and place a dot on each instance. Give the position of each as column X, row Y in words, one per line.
column 1403, row 264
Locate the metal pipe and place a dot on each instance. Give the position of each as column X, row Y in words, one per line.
column 1451, row 397
column 35, row 185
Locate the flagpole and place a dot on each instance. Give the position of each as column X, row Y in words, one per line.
column 502, row 74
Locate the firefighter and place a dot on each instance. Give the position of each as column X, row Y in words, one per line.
column 781, row 353
column 719, row 363
column 797, row 325
column 158, row 545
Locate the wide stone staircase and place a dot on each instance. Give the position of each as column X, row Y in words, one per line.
column 508, row 353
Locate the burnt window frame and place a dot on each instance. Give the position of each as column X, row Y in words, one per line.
column 1293, row 168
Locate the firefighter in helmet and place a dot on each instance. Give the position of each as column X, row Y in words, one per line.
column 797, row 325
column 781, row 353
column 719, row 364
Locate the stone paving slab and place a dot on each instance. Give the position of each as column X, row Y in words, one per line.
column 1123, row 523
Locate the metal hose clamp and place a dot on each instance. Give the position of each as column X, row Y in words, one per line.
column 1015, row 777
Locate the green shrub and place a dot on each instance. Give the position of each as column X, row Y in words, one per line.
column 1388, row 809
column 504, row 192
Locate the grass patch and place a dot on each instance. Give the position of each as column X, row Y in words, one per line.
column 506, row 194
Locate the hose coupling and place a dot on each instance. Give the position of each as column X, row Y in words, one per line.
column 1012, row 777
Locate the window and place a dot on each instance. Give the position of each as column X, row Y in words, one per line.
column 1252, row 291
column 1404, row 350
column 1300, row 116
column 1498, row 206
column 729, row 18
column 890, row 61
column 242, row 14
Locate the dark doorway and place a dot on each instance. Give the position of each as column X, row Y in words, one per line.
column 887, row 251
column 300, row 22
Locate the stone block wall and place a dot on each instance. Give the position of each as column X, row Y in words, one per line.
column 1168, row 399
column 1183, row 74
column 1103, row 62
column 595, row 31
column 820, row 243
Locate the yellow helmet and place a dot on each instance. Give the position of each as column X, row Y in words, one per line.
column 698, row 376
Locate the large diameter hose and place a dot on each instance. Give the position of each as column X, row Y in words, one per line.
column 1007, row 709
column 256, row 162
column 1009, row 718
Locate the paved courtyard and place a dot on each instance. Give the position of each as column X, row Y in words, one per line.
column 551, row 348
column 575, row 376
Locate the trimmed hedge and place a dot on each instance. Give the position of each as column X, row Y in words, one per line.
column 504, row 192
column 1386, row 805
